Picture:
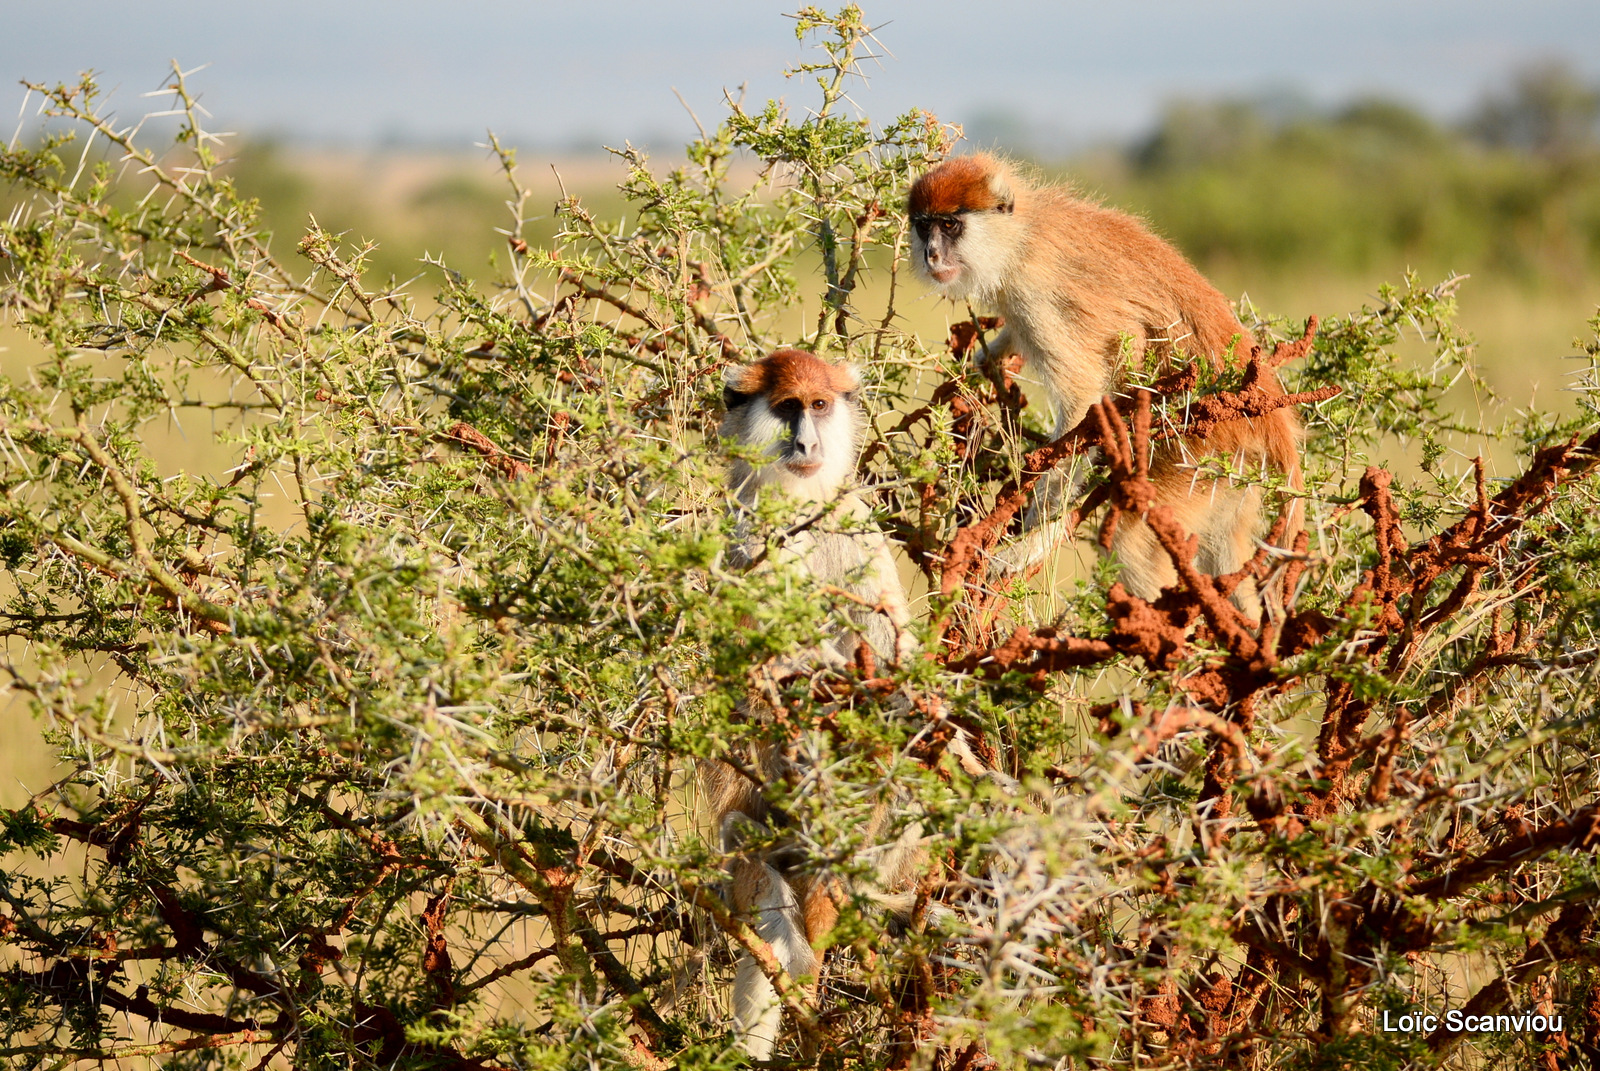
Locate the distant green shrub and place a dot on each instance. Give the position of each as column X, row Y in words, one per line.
column 1376, row 183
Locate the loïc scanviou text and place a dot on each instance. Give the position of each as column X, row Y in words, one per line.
column 1458, row 1022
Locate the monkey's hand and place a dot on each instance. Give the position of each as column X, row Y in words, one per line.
column 995, row 347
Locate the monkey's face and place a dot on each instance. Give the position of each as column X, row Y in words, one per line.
column 811, row 433
column 963, row 227
column 935, row 241
column 804, row 411
column 962, row 254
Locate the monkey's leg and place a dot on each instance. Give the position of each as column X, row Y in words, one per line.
column 819, row 904
column 761, row 892
column 1146, row 565
column 1044, row 525
column 819, row 898
column 1223, row 518
column 1227, row 541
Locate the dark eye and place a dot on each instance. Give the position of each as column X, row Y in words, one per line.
column 788, row 407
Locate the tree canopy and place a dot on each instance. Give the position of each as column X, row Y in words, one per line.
column 380, row 702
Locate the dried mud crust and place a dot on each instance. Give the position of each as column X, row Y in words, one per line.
column 1396, row 597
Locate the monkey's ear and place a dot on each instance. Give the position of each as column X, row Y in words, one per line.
column 732, row 379
column 1000, row 186
column 848, row 382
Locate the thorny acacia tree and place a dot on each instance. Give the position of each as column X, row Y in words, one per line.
column 381, row 734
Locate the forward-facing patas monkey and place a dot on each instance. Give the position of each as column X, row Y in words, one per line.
column 1077, row 283
column 803, row 412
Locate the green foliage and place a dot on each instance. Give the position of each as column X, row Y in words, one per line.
column 381, row 732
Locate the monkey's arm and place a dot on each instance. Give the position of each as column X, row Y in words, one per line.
column 995, row 347
column 890, row 596
column 1044, row 524
column 762, row 895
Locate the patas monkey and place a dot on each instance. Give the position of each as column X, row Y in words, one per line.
column 804, row 413
column 1076, row 282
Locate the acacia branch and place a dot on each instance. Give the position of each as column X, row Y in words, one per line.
column 467, row 435
column 1579, row 831
column 972, row 543
column 214, row 616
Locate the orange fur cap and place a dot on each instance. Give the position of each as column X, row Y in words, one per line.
column 791, row 373
column 960, row 184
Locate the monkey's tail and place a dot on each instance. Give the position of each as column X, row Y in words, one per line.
column 757, row 1010
column 904, row 904
column 1285, row 451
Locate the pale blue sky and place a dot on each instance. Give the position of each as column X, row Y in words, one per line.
column 574, row 73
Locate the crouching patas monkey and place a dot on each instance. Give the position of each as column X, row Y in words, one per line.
column 804, row 413
column 1075, row 282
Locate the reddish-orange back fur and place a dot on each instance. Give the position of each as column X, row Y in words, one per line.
column 1174, row 310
